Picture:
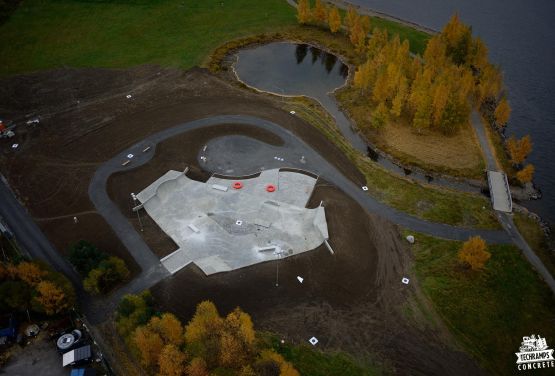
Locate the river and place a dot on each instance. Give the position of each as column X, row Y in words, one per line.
column 520, row 36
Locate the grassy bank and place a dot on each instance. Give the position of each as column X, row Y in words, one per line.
column 310, row 361
column 437, row 205
column 535, row 237
column 115, row 34
column 488, row 311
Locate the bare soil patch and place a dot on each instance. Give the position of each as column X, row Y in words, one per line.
column 351, row 301
column 86, row 118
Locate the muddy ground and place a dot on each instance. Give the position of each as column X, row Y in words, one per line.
column 86, row 118
column 353, row 300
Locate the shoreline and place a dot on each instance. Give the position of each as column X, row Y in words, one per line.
column 344, row 4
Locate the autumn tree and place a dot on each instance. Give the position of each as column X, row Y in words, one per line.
column 134, row 310
column 51, row 298
column 171, row 361
column 380, row 116
column 149, row 345
column 519, row 149
column 197, row 367
column 474, row 253
column 285, row 368
column 304, row 13
column 320, row 12
column 334, row 20
column 502, row 112
column 357, row 35
column 526, row 174
column 169, row 328
column 351, row 17
column 30, row 273
column 107, row 274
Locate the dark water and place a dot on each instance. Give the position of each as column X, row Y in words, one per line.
column 298, row 69
column 520, row 36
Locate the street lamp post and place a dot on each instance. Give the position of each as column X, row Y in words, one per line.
column 278, row 254
column 134, row 197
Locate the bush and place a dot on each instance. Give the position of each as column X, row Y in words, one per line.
column 85, row 257
column 108, row 273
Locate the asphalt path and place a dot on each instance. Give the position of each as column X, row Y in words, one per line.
column 236, row 155
column 248, row 164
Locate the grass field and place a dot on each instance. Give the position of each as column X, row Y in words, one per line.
column 437, row 205
column 313, row 362
column 535, row 237
column 47, row 34
column 488, row 311
column 118, row 34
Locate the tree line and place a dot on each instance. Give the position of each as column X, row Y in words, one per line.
column 34, row 286
column 436, row 91
column 208, row 344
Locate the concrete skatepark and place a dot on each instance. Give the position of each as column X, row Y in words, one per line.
column 226, row 224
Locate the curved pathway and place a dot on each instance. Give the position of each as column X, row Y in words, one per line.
column 247, row 164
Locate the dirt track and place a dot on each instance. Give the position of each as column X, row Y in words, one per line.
column 351, row 301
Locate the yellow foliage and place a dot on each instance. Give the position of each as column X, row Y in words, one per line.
column 30, row 273
column 320, row 12
column 149, row 344
column 351, row 17
column 304, row 14
column 51, row 297
column 502, row 112
column 169, row 328
column 474, row 253
column 197, row 367
column 206, row 320
column 240, row 324
column 519, row 149
column 334, row 20
column 171, row 361
column 526, row 174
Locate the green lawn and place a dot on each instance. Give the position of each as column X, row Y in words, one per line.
column 488, row 311
column 116, row 34
column 314, row 362
column 417, row 39
column 535, row 237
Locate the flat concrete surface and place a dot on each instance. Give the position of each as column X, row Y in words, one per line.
column 499, row 191
column 222, row 229
column 38, row 358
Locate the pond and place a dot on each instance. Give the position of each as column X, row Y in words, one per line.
column 298, row 69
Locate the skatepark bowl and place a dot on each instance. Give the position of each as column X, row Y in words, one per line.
column 220, row 228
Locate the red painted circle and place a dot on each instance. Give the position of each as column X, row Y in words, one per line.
column 237, row 185
column 270, row 188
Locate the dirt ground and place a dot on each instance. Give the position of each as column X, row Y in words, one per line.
column 86, row 119
column 176, row 153
column 353, row 300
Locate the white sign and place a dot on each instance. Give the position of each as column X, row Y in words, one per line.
column 534, row 354
column 313, row 341
column 300, row 279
